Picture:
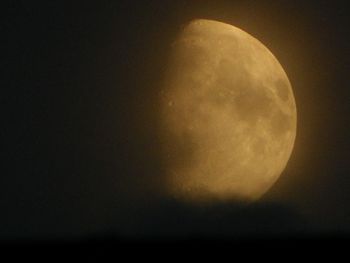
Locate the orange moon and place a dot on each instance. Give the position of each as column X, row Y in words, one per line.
column 228, row 115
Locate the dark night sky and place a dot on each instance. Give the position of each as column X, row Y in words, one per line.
column 80, row 118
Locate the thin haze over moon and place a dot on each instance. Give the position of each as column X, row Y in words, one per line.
column 228, row 115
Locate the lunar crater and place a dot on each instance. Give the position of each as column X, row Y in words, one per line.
column 282, row 89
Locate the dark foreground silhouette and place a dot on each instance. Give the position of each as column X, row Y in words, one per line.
column 172, row 222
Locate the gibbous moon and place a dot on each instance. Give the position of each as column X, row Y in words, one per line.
column 228, row 115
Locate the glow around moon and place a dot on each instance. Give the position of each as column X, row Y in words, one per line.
column 228, row 115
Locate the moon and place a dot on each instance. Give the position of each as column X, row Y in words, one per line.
column 228, row 115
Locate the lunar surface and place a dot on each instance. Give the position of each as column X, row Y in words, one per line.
column 228, row 115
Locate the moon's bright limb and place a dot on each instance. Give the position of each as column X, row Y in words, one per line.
column 228, row 115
